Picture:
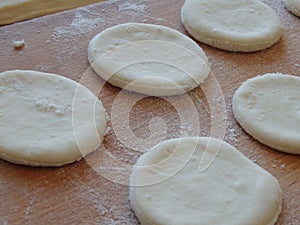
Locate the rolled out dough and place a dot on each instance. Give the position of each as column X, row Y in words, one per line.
column 47, row 120
column 17, row 10
column 293, row 6
column 148, row 59
column 233, row 25
column 167, row 187
column 268, row 108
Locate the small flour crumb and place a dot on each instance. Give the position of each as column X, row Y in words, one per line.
column 282, row 166
column 108, row 129
column 19, row 44
column 297, row 65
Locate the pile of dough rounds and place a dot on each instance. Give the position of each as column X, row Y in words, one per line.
column 149, row 59
column 293, row 6
column 233, row 25
column 268, row 108
column 167, row 187
column 47, row 120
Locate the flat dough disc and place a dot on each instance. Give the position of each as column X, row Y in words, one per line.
column 47, row 120
column 293, row 6
column 148, row 59
column 168, row 188
column 268, row 108
column 233, row 25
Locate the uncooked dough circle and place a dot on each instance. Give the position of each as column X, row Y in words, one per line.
column 47, row 119
column 268, row 108
column 232, row 191
column 233, row 25
column 293, row 6
column 148, row 59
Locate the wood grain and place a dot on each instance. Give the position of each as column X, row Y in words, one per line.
column 94, row 190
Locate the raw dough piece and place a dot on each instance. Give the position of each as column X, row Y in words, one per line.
column 268, row 108
column 148, row 59
column 40, row 116
column 17, row 10
column 233, row 25
column 232, row 191
column 293, row 6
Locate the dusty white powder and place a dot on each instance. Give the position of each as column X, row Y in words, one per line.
column 232, row 136
column 79, row 25
column 282, row 166
column 28, row 208
column 138, row 8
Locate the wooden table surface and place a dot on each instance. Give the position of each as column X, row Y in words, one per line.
column 94, row 190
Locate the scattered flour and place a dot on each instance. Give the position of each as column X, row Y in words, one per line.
column 282, row 166
column 232, row 136
column 79, row 25
column 140, row 9
column 44, row 68
column 28, row 208
column 110, row 210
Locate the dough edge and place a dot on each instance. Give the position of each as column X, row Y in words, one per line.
column 230, row 45
column 274, row 143
column 144, row 88
column 147, row 221
column 79, row 155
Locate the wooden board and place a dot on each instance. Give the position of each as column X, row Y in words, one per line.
column 94, row 190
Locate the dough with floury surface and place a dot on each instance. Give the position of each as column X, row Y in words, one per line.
column 293, row 6
column 167, row 187
column 148, row 59
column 268, row 108
column 47, row 119
column 233, row 25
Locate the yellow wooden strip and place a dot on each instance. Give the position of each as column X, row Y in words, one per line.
column 12, row 11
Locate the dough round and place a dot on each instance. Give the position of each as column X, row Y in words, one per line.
column 47, row 120
column 148, row 59
column 293, row 6
column 232, row 191
column 233, row 25
column 268, row 108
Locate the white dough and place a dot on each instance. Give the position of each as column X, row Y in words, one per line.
column 148, row 59
column 268, row 108
column 233, row 25
column 293, row 6
column 167, row 187
column 47, row 120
